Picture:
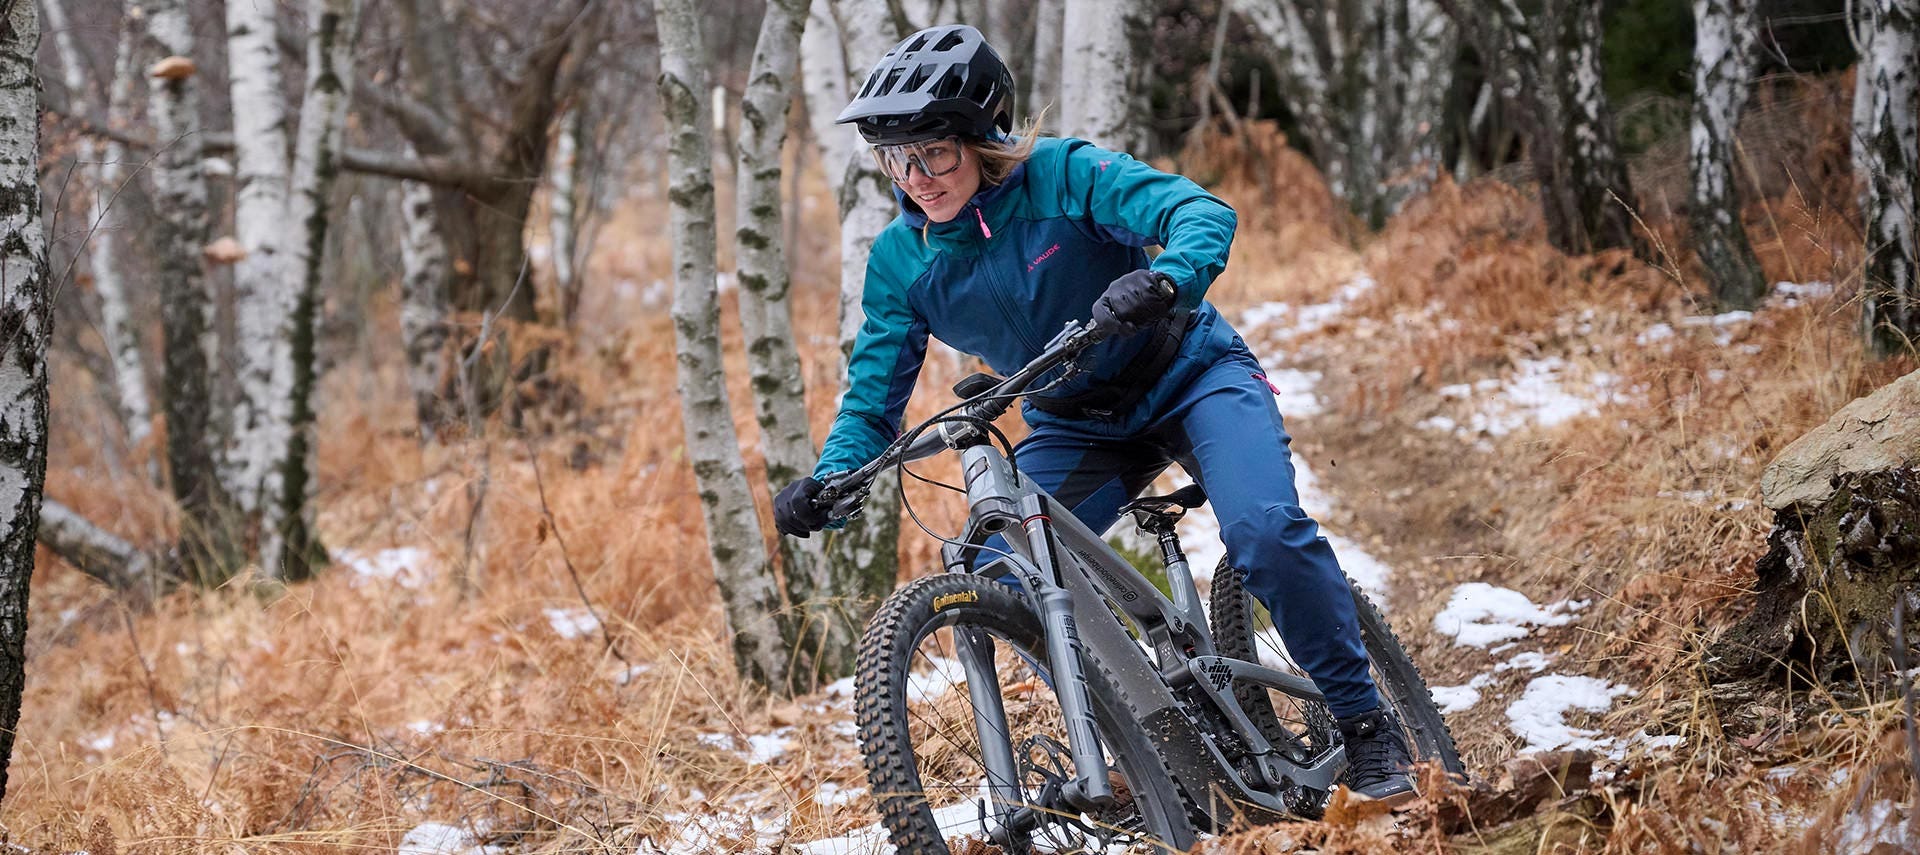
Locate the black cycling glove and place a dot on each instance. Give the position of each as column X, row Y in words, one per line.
column 1134, row 301
column 794, row 512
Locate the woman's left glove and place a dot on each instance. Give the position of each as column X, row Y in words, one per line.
column 794, row 512
column 1133, row 301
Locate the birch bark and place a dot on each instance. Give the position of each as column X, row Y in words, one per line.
column 290, row 548
column 865, row 555
column 262, row 300
column 825, row 76
column 1725, row 34
column 180, row 196
column 1432, row 43
column 95, row 551
column 1887, row 142
column 1049, row 43
column 1096, row 64
column 116, row 324
column 423, row 304
column 824, row 637
column 26, row 319
column 1597, row 173
column 563, row 200
column 748, row 590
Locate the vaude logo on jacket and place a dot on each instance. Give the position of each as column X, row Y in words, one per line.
column 1042, row 257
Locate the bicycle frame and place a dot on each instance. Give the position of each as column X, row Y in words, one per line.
column 1081, row 588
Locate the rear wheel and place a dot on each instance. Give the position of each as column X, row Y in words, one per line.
column 1243, row 629
column 951, row 761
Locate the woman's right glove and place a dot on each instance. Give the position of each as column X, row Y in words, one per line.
column 1133, row 301
column 794, row 512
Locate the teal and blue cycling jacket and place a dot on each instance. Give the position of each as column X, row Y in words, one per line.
column 1021, row 260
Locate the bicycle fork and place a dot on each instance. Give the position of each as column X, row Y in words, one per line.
column 1090, row 789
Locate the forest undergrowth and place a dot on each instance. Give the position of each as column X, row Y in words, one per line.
column 550, row 674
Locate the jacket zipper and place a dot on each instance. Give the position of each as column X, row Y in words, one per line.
column 1014, row 320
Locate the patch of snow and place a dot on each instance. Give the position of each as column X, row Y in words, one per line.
column 1539, row 716
column 1880, row 822
column 1453, row 699
column 1293, row 391
column 1653, row 334
column 102, row 743
column 1530, row 660
column 841, row 688
column 439, row 838
column 768, row 747
column 626, row 676
column 1368, row 572
column 426, row 727
column 831, row 794
column 960, row 819
column 1479, row 614
column 946, row 674
column 1534, row 397
column 572, row 623
column 1790, row 294
column 1284, row 321
column 407, row 566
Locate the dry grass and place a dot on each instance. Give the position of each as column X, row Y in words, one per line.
column 349, row 710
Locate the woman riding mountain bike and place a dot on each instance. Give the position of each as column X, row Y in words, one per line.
column 1001, row 240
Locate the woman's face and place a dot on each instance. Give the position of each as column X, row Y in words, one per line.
column 942, row 196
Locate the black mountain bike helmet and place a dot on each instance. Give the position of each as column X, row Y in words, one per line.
column 942, row 81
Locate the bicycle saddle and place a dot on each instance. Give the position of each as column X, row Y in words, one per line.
column 1170, row 507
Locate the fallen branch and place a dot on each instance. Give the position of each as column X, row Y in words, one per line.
column 95, row 551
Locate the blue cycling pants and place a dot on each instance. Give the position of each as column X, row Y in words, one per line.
column 1224, row 428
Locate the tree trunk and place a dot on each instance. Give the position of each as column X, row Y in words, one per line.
column 1096, row 72
column 1723, row 61
column 824, row 639
column 95, row 551
column 180, row 196
column 569, row 158
column 116, row 326
column 263, row 302
column 866, row 556
column 825, row 73
column 1594, row 168
column 1432, row 43
column 423, row 307
column 26, row 319
column 748, row 590
column 1049, row 46
column 290, row 548
column 1885, row 138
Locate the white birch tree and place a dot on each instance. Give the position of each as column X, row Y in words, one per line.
column 180, row 197
column 563, row 191
column 824, row 631
column 749, row 592
column 1049, row 45
column 1547, row 67
column 289, row 546
column 1096, row 72
column 1725, row 35
column 26, row 318
column 1367, row 84
column 423, row 303
column 263, row 304
column 116, row 324
column 1886, row 143
column 865, row 555
column 825, row 76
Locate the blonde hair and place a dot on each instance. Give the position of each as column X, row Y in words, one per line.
column 999, row 157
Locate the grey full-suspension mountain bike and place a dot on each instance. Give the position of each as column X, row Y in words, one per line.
column 1080, row 708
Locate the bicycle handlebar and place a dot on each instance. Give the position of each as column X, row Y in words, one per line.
column 844, row 491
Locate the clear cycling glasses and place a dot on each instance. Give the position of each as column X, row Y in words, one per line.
column 933, row 158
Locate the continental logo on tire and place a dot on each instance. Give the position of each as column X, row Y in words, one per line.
column 945, row 600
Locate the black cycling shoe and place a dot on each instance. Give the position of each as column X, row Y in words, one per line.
column 1379, row 767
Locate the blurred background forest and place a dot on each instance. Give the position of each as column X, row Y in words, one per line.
column 387, row 377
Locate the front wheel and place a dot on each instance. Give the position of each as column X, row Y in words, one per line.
column 965, row 741
column 1243, row 629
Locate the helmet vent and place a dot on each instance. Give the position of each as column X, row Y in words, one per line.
column 918, row 77
column 981, row 91
column 893, row 77
column 917, row 44
column 950, row 83
column 953, row 39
